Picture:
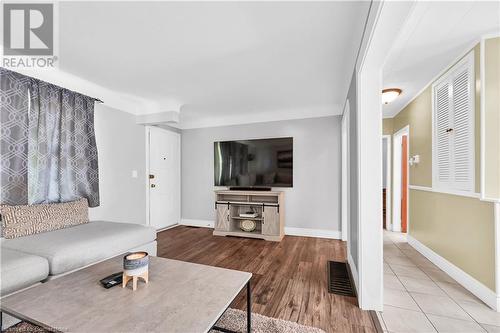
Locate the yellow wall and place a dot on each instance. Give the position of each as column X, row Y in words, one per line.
column 460, row 229
column 492, row 118
column 418, row 115
column 387, row 126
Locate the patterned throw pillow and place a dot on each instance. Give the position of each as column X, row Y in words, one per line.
column 25, row 220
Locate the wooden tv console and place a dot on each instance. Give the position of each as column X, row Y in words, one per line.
column 269, row 206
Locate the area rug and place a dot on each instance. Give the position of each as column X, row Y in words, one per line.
column 24, row 327
column 235, row 320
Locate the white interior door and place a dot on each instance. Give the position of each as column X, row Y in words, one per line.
column 164, row 177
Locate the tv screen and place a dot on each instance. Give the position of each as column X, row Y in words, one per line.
column 263, row 162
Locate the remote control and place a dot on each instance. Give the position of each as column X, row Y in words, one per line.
column 112, row 280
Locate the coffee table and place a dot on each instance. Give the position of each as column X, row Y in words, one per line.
column 180, row 297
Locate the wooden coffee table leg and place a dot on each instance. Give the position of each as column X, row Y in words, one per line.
column 249, row 308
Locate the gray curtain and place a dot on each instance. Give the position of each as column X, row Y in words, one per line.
column 57, row 145
column 14, row 104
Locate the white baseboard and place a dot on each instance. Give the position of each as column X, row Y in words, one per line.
column 166, row 228
column 354, row 271
column 482, row 292
column 197, row 223
column 320, row 233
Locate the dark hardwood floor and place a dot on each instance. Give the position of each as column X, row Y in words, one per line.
column 289, row 277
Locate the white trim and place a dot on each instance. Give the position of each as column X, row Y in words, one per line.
column 166, row 228
column 484, row 293
column 290, row 231
column 384, row 22
column 388, row 192
column 148, row 136
column 403, row 131
column 390, row 17
column 354, row 272
column 360, row 260
column 494, row 34
column 261, row 116
column 197, row 223
column 346, row 200
column 482, row 112
column 319, row 233
column 396, row 211
column 132, row 104
column 450, row 192
column 487, row 199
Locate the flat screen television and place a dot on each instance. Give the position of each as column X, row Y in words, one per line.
column 262, row 162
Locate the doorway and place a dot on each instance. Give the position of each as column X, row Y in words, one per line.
column 163, row 178
column 386, row 182
column 345, row 175
column 401, row 175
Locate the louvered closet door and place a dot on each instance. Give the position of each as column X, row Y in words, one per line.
column 442, row 135
column 463, row 132
column 453, row 144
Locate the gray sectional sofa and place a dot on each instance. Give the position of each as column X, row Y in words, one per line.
column 28, row 260
column 21, row 270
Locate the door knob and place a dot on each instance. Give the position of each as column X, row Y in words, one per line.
column 153, row 185
column 151, row 176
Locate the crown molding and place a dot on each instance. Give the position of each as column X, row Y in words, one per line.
column 259, row 117
column 124, row 102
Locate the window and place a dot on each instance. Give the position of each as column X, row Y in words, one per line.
column 453, row 128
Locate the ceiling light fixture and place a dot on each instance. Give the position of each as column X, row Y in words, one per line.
column 390, row 94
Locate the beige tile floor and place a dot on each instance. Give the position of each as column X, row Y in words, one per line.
column 419, row 297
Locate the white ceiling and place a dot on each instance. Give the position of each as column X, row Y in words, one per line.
column 435, row 35
column 217, row 61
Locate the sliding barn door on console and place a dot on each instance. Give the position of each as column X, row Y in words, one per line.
column 164, row 184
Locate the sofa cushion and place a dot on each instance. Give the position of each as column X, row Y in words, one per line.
column 24, row 220
column 72, row 248
column 20, row 270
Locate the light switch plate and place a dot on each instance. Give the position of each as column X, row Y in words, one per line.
column 134, row 173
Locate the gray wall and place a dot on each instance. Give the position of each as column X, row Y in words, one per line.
column 121, row 147
column 313, row 202
column 353, row 166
